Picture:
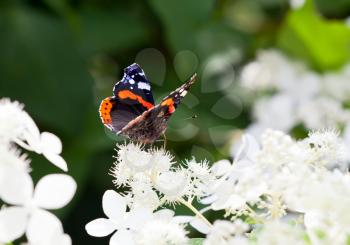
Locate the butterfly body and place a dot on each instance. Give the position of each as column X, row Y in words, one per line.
column 131, row 111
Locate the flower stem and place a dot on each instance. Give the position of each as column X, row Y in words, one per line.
column 195, row 211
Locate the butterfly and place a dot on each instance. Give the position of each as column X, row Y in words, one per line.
column 131, row 111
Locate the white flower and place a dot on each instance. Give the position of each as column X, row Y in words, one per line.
column 163, row 229
column 51, row 147
column 239, row 183
column 201, row 177
column 280, row 233
column 331, row 115
column 142, row 194
column 298, row 93
column 221, row 167
column 270, row 70
column 28, row 216
column 15, row 123
column 325, row 148
column 124, row 223
column 174, row 184
column 161, row 160
column 57, row 238
column 226, row 233
column 277, row 112
column 133, row 159
column 133, row 156
column 12, row 163
column 11, row 156
column 17, row 126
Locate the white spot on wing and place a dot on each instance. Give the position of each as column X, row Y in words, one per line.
column 142, row 85
column 183, row 93
column 131, row 81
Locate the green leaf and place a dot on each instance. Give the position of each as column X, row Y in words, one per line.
column 325, row 44
column 196, row 241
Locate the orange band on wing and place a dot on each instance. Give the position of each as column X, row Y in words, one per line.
column 125, row 94
column 170, row 103
column 105, row 111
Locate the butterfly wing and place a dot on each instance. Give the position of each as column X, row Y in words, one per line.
column 149, row 126
column 132, row 97
column 170, row 103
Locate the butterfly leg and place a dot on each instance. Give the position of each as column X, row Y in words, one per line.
column 164, row 141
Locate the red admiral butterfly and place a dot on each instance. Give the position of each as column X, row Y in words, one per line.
column 131, row 111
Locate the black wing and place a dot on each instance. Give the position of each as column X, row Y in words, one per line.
column 149, row 126
column 132, row 97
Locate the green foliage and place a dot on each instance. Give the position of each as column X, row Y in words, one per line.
column 196, row 241
column 325, row 44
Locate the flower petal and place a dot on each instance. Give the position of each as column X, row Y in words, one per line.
column 58, row 239
column 166, row 214
column 122, row 237
column 51, row 143
column 114, row 205
column 200, row 226
column 56, row 160
column 16, row 186
column 182, row 219
column 42, row 226
column 100, row 227
column 13, row 222
column 65, row 240
column 54, row 191
column 137, row 218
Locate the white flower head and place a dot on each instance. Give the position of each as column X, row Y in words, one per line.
column 29, row 215
column 133, row 160
column 17, row 126
column 277, row 112
column 135, row 157
column 332, row 114
column 201, row 177
column 161, row 160
column 326, row 148
column 143, row 195
column 281, row 233
column 174, row 184
column 10, row 156
column 118, row 219
column 200, row 170
column 270, row 70
column 277, row 148
column 163, row 229
column 225, row 232
column 14, row 120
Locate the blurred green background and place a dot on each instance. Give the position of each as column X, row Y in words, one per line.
column 61, row 58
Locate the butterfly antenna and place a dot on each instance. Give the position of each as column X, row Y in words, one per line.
column 192, row 117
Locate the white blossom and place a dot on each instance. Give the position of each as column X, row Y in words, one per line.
column 18, row 127
column 29, row 215
column 174, row 184
column 118, row 219
column 287, row 94
column 280, row 233
column 164, row 228
column 226, row 233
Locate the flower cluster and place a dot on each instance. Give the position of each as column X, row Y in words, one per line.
column 276, row 191
column 287, row 94
column 26, row 207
